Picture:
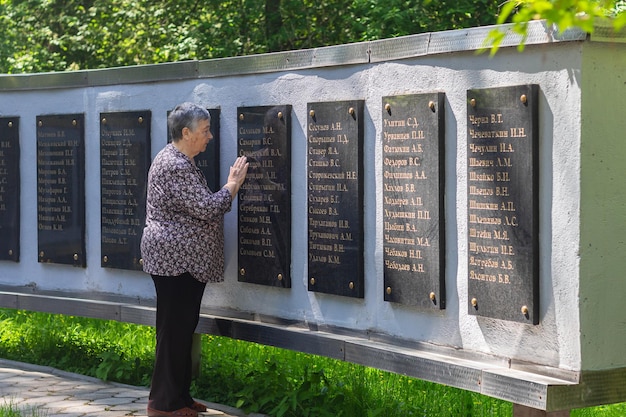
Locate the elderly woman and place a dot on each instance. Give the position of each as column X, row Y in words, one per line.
column 183, row 248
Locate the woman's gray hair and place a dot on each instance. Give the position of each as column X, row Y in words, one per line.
column 185, row 115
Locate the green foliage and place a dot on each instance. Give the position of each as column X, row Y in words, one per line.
column 564, row 14
column 53, row 35
column 62, row 35
column 379, row 20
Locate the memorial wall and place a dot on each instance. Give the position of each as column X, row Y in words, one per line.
column 425, row 198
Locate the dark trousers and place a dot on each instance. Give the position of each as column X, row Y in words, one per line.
column 177, row 315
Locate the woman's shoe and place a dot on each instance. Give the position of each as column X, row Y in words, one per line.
column 199, row 407
column 183, row 412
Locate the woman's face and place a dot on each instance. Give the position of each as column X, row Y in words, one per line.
column 200, row 136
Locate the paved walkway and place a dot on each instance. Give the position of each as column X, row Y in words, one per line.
column 46, row 392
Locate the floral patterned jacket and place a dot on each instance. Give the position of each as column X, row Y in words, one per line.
column 184, row 220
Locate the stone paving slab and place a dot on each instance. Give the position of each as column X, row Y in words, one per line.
column 52, row 392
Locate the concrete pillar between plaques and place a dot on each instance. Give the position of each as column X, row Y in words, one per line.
column 523, row 411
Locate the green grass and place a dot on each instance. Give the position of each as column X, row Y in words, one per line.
column 10, row 409
column 288, row 383
column 250, row 376
column 105, row 349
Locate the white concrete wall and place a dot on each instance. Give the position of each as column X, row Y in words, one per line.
column 556, row 68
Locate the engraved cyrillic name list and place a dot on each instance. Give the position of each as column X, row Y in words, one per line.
column 335, row 197
column 502, row 207
column 124, row 161
column 60, row 189
column 9, row 189
column 264, row 208
column 412, row 138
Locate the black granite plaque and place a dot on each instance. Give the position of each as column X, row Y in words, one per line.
column 413, row 199
column 61, row 189
column 9, row 189
column 124, row 164
column 502, row 190
column 209, row 160
column 264, row 209
column 335, row 197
